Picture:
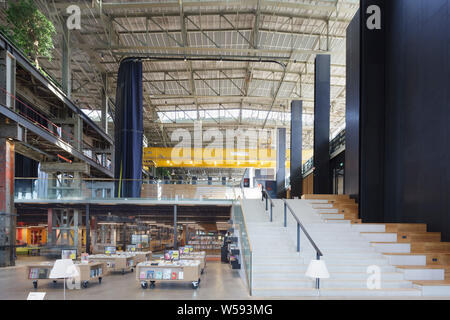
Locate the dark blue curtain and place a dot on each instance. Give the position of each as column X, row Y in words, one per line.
column 129, row 130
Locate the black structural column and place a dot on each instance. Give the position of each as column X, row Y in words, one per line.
column 88, row 230
column 372, row 114
column 296, row 148
column 281, row 161
column 351, row 179
column 322, row 125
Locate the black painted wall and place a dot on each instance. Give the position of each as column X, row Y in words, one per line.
column 351, row 186
column 418, row 113
column 405, row 114
column 372, row 139
column 322, row 178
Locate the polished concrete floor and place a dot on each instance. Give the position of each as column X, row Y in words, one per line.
column 218, row 282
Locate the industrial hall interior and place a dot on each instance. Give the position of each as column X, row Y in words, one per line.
column 224, row 149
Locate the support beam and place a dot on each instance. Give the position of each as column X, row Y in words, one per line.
column 281, row 161
column 175, row 242
column 76, row 225
column 7, row 216
column 55, row 167
column 66, row 62
column 50, row 236
column 7, row 79
column 124, row 239
column 322, row 178
column 88, row 230
column 105, row 102
column 78, row 130
column 7, row 132
column 296, row 149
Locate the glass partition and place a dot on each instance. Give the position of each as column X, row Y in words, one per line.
column 247, row 255
column 70, row 188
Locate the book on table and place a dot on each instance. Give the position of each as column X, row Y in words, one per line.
column 167, row 274
column 43, row 273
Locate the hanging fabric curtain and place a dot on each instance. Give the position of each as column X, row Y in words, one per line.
column 128, row 130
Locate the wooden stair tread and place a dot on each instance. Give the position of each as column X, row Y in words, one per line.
column 406, row 253
column 377, row 232
column 424, row 267
column 432, row 282
column 388, row 241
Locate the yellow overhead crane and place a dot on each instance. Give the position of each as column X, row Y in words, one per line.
column 214, row 157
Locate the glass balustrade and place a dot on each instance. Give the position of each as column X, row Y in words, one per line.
column 70, row 188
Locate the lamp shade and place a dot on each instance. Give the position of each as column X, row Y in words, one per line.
column 317, row 269
column 63, row 268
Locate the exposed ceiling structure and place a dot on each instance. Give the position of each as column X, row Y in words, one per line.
column 231, row 64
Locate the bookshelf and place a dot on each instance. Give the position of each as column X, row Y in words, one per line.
column 37, row 272
column 210, row 243
column 183, row 271
column 92, row 271
column 142, row 256
column 121, row 262
column 200, row 256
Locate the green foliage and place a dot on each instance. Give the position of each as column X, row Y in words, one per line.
column 162, row 172
column 30, row 29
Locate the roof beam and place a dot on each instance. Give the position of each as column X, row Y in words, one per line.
column 220, row 52
column 322, row 8
column 204, row 32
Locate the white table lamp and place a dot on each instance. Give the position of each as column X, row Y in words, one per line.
column 317, row 269
column 62, row 269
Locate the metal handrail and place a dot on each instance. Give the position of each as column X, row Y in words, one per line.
column 300, row 226
column 265, row 194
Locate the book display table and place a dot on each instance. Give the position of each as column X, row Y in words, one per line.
column 200, row 256
column 92, row 271
column 182, row 271
column 142, row 256
column 39, row 271
column 116, row 262
column 88, row 272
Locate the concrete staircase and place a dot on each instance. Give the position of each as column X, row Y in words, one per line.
column 349, row 249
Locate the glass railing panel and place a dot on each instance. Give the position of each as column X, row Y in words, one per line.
column 247, row 256
column 69, row 188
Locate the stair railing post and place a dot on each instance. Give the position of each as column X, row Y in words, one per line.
column 298, row 237
column 271, row 212
column 285, row 211
column 317, row 279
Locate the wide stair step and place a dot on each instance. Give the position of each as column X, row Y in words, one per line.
column 291, row 275
column 349, row 249
column 337, row 292
column 326, row 283
column 331, row 268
